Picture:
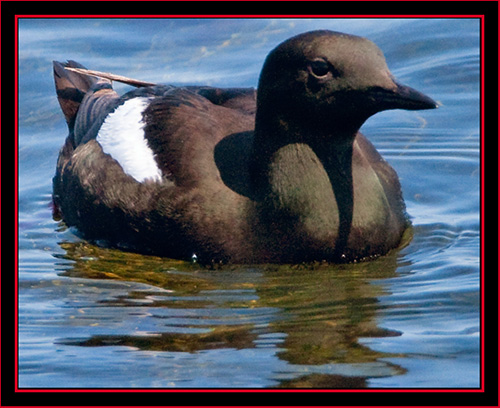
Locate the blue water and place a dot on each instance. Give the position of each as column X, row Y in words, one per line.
column 95, row 317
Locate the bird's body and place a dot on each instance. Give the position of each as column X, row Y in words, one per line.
column 277, row 175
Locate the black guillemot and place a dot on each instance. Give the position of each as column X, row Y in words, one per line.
column 277, row 175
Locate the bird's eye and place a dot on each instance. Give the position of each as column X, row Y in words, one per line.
column 319, row 67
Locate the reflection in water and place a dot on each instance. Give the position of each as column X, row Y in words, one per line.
column 312, row 315
column 220, row 337
column 325, row 381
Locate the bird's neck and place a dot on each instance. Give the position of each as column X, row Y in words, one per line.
column 282, row 149
column 305, row 178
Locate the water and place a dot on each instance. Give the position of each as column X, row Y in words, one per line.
column 87, row 315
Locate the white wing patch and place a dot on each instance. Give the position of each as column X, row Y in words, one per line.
column 122, row 137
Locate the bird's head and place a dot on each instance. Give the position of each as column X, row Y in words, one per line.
column 329, row 79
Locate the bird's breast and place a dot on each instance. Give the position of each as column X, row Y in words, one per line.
column 301, row 190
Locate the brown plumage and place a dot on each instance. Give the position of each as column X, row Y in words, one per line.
column 281, row 175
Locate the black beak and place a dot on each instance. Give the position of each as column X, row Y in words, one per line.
column 402, row 97
column 412, row 99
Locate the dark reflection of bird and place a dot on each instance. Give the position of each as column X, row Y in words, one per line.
column 281, row 175
column 312, row 316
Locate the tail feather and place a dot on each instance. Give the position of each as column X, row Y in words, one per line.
column 71, row 87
